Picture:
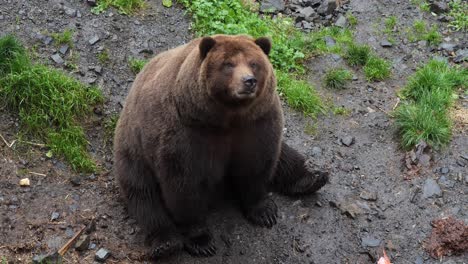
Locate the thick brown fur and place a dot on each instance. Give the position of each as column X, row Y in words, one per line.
column 198, row 117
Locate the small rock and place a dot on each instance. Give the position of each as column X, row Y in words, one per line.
column 370, row 241
column 308, row 13
column 55, row 243
column 101, row 255
column 69, row 11
column 92, row 246
column 444, row 181
column 94, row 40
column 329, row 41
column 461, row 55
column 24, row 182
column 347, row 140
column 63, row 49
column 307, row 25
column 462, row 162
column 47, row 40
column 439, row 7
column 91, row 80
column 327, row 7
column 431, row 189
column 316, row 151
column 82, row 243
column 425, row 160
column 351, row 210
column 69, row 232
column 369, row 196
column 419, row 260
column 341, row 21
column 444, row 170
column 447, row 47
column 422, row 43
column 98, row 69
column 75, row 180
column 272, row 6
column 91, row 2
column 335, row 57
column 57, row 59
column 386, row 44
column 55, row 216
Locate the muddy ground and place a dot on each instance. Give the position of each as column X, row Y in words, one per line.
column 368, row 205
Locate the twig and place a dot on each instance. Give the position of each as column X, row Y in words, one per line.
column 37, row 173
column 72, row 240
column 32, row 143
column 6, row 142
column 397, row 102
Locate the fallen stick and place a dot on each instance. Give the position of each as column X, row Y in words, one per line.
column 37, row 173
column 72, row 240
column 6, row 142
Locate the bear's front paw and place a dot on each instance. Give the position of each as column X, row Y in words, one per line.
column 201, row 244
column 263, row 213
column 165, row 248
column 310, row 183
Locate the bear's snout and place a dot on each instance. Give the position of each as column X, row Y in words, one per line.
column 250, row 84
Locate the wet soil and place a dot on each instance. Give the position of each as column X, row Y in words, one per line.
column 368, row 205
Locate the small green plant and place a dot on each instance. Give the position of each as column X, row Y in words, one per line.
column 419, row 27
column 337, row 78
column 316, row 43
column 390, row 23
column 420, row 31
column 428, row 95
column 341, row 110
column 311, row 129
column 459, row 12
column 433, row 37
column 49, row 103
column 376, row 69
column 65, row 37
column 109, row 126
column 103, row 56
column 352, row 19
column 136, row 65
column 357, row 55
column 125, row 7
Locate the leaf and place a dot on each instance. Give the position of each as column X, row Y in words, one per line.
column 49, row 154
column 167, row 3
column 385, row 259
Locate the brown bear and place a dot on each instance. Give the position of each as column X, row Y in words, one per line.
column 198, row 118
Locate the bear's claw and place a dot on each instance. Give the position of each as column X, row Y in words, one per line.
column 201, row 245
column 264, row 213
column 165, row 249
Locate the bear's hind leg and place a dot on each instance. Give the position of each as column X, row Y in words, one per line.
column 144, row 203
column 292, row 177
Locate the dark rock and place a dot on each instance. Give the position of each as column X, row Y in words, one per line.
column 57, row 59
column 461, row 56
column 102, row 254
column 462, row 162
column 369, row 196
column 347, row 140
column 341, row 21
column 91, row 227
column 312, row 3
column 308, row 13
column 386, row 44
column 307, row 25
column 98, row 69
column 329, row 41
column 82, row 243
column 54, row 216
column 327, row 7
column 370, row 241
column 272, row 6
column 75, row 180
column 63, row 49
column 445, row 18
column 91, row 2
column 439, row 7
column 431, row 189
column 447, row 47
column 94, row 40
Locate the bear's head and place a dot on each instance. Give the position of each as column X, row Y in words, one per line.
column 236, row 70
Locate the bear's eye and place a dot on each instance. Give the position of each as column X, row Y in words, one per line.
column 228, row 64
column 253, row 65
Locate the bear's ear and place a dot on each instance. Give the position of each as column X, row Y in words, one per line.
column 206, row 44
column 265, row 44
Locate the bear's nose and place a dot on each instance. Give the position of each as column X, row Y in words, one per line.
column 249, row 82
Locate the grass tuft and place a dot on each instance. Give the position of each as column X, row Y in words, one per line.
column 459, row 12
column 428, row 95
column 357, row 55
column 377, row 69
column 65, row 37
column 49, row 102
column 390, row 23
column 103, row 56
column 136, row 65
column 352, row 20
column 125, row 7
column 337, row 78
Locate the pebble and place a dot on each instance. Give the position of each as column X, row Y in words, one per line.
column 69, row 232
column 82, row 243
column 308, row 13
column 419, row 260
column 327, row 7
column 272, row 6
column 57, row 59
column 368, row 196
column 447, row 46
column 444, row 170
column 370, row 241
column 347, row 140
column 316, row 151
column 92, row 246
column 461, row 56
column 63, row 49
column 386, row 44
column 54, row 216
column 431, row 189
column 341, row 21
column 47, row 40
column 329, row 41
column 75, row 180
column 94, row 40
column 24, row 182
column 91, row 2
column 101, row 255
column 69, row 11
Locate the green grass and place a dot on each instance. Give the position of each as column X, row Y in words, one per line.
column 136, row 65
column 337, row 78
column 352, row 20
column 103, row 56
column 357, row 55
column 428, row 95
column 420, row 31
column 109, row 126
column 316, row 44
column 341, row 110
column 459, row 11
column 50, row 103
column 377, row 69
column 390, row 23
column 290, row 45
column 125, row 7
column 65, row 37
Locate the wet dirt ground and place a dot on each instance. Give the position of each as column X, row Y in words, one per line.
column 368, row 205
